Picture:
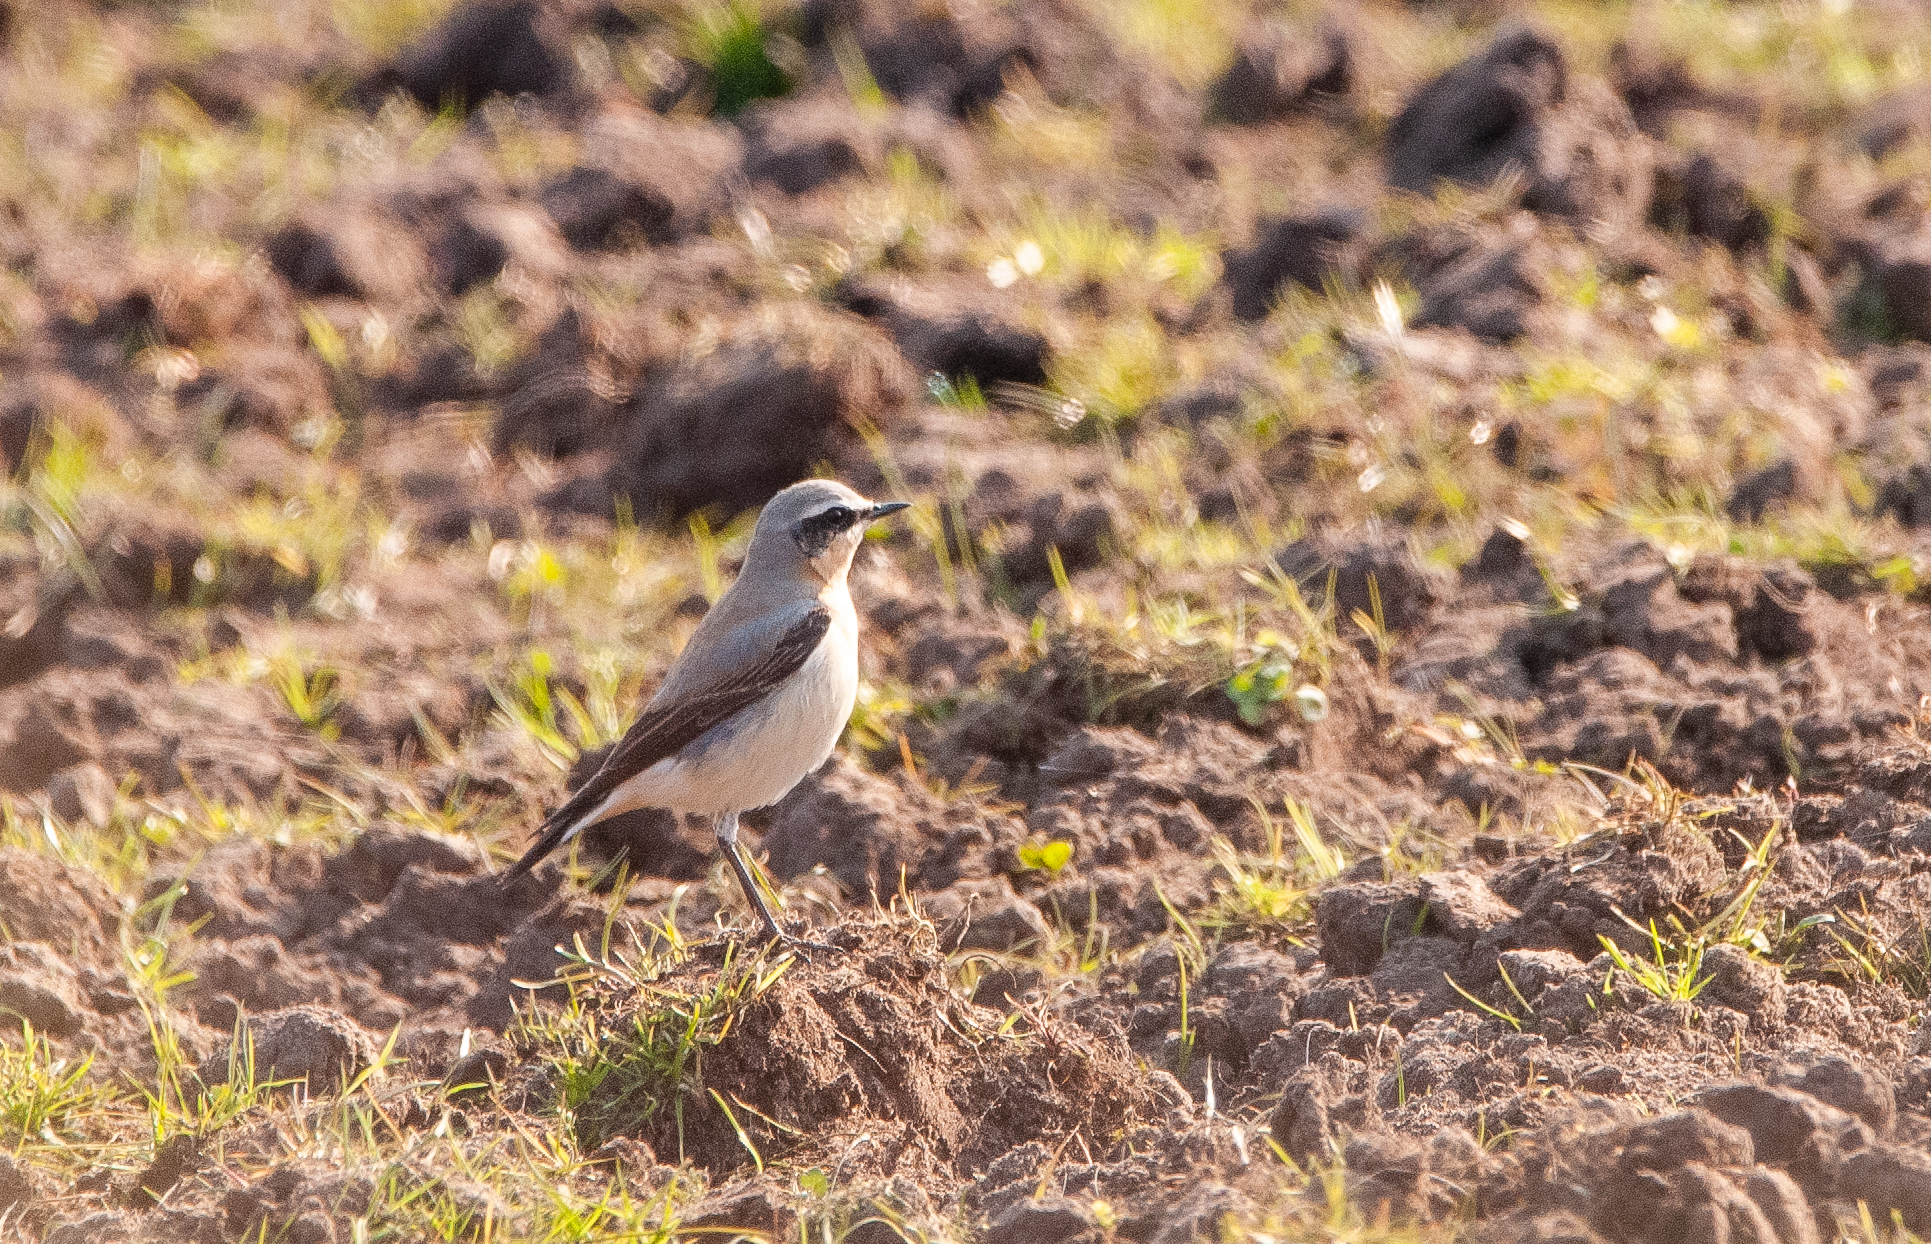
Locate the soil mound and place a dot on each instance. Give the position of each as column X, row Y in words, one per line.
column 873, row 1040
column 1517, row 105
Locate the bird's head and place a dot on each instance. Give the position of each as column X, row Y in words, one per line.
column 815, row 526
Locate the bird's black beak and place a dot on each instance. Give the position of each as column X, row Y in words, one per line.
column 886, row 507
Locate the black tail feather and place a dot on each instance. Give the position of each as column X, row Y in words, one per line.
column 549, row 842
column 558, row 828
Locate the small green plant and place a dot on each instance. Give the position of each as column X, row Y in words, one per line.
column 530, row 575
column 53, row 499
column 734, row 43
column 961, row 394
column 1325, row 860
column 1738, row 923
column 42, row 1089
column 531, row 705
column 1315, row 627
column 876, row 714
column 744, row 1137
column 1267, row 678
column 1866, row 952
column 312, row 695
column 1498, row 733
column 180, row 1104
column 177, row 1101
column 421, row 1206
column 1508, row 1017
column 1373, row 623
column 598, row 716
column 1190, row 956
column 1259, row 686
column 1260, row 892
column 1051, row 856
column 1670, row 974
column 1274, row 889
column 859, row 83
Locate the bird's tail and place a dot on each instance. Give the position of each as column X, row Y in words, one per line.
column 574, row 816
column 552, row 839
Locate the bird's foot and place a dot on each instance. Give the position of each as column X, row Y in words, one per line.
column 804, row 946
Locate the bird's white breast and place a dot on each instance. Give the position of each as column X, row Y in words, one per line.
column 752, row 760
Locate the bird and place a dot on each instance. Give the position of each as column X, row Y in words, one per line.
column 760, row 694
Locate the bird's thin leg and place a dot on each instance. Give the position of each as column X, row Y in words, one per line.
column 726, row 829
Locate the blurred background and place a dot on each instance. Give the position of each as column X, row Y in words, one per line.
column 303, row 297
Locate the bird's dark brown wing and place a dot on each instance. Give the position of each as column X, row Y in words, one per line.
column 665, row 730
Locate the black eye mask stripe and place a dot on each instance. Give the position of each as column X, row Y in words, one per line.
column 814, row 534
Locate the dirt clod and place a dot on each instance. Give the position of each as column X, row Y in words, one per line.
column 1517, row 105
column 486, row 47
column 1304, row 251
column 312, row 1044
column 1276, row 73
column 731, row 429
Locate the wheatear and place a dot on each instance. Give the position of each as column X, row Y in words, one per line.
column 758, row 697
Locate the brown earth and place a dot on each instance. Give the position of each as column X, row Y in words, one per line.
column 302, row 481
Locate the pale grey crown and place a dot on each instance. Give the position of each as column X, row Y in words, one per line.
column 803, row 500
column 796, row 512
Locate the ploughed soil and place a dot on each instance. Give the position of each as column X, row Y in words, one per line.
column 1403, row 701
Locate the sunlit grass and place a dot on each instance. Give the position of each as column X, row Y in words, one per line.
column 1031, row 129
column 1822, row 55
column 1272, row 890
column 905, row 216
column 1083, row 246
column 1193, row 42
column 382, row 27
column 1829, row 542
column 1312, row 1206
column 622, row 1067
column 1127, row 366
column 487, row 328
column 43, row 1092
column 555, row 718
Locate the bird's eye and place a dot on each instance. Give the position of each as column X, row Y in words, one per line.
column 815, row 534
